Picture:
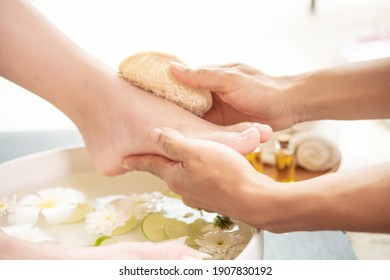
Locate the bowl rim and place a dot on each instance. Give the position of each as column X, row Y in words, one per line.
column 256, row 242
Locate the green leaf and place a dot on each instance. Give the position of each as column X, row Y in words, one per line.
column 223, row 222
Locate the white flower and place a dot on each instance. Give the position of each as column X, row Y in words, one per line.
column 27, row 232
column 7, row 204
column 56, row 205
column 221, row 245
column 101, row 202
column 117, row 214
column 142, row 204
column 105, row 220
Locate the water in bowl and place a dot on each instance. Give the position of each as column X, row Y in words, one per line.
column 169, row 218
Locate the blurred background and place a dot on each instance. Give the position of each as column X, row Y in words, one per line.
column 280, row 37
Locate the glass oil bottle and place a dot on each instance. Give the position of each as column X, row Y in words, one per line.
column 284, row 159
column 254, row 158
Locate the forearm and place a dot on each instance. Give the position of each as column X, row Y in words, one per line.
column 352, row 201
column 354, row 91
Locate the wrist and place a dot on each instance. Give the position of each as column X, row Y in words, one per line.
column 267, row 203
column 285, row 207
column 306, row 207
column 296, row 92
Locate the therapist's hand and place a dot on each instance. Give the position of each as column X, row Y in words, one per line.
column 241, row 93
column 210, row 176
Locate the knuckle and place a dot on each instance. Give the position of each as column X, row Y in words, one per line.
column 242, row 68
column 202, row 74
column 235, row 66
column 231, row 73
column 247, row 69
column 166, row 144
column 153, row 167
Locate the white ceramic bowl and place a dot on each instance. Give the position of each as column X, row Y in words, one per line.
column 44, row 169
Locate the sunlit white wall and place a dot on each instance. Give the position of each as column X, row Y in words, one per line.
column 278, row 37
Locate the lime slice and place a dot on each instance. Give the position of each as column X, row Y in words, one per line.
column 78, row 214
column 196, row 231
column 175, row 229
column 130, row 225
column 153, row 227
column 104, row 240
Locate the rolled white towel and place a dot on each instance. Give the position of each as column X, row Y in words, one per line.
column 315, row 145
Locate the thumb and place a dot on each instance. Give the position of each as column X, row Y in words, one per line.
column 173, row 145
column 200, row 78
column 172, row 142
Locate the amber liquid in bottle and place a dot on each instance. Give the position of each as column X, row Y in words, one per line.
column 254, row 158
column 284, row 159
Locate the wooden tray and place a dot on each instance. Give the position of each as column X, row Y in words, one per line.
column 300, row 173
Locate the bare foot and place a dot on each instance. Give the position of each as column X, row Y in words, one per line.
column 131, row 115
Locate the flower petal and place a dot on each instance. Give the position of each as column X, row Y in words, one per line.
column 103, row 201
column 27, row 232
column 31, row 199
column 79, row 213
column 50, row 192
column 72, row 196
column 58, row 214
column 7, row 204
column 23, row 215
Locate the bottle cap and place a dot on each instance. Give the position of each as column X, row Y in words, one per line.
column 283, row 140
column 283, row 137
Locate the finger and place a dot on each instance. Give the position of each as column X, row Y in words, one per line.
column 211, row 79
column 154, row 164
column 172, row 143
column 265, row 132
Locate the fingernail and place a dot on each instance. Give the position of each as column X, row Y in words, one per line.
column 125, row 166
column 155, row 134
column 178, row 67
column 266, row 127
column 265, row 133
